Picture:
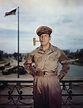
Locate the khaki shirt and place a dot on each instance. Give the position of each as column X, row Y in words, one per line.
column 48, row 60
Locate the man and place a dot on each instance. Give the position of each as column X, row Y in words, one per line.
column 42, row 64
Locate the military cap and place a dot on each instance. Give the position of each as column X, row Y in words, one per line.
column 43, row 30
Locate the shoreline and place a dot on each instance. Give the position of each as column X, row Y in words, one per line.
column 76, row 63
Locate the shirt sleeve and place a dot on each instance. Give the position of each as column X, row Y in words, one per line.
column 65, row 65
column 28, row 65
column 30, row 58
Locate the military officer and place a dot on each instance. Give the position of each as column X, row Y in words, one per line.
column 46, row 59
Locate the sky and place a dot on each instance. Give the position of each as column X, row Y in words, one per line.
column 65, row 17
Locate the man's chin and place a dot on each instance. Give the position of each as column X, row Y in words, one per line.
column 43, row 44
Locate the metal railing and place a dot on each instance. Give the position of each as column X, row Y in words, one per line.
column 19, row 92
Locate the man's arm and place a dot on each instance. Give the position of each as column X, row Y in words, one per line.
column 29, row 68
column 65, row 65
column 28, row 65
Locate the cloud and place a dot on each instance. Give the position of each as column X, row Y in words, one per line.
column 65, row 17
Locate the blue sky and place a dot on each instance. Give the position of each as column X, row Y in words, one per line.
column 65, row 17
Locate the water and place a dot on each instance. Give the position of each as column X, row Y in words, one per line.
column 75, row 72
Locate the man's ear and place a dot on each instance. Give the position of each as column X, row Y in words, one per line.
column 50, row 37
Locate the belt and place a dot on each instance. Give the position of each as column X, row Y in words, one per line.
column 43, row 73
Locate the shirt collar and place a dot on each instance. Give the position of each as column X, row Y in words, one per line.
column 48, row 51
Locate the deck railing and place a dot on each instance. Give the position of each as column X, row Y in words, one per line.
column 19, row 92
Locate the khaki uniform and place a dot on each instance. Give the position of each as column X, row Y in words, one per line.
column 43, row 65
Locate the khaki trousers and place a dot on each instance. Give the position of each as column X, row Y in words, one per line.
column 47, row 92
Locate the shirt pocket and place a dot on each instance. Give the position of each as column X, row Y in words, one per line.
column 52, row 58
column 38, row 58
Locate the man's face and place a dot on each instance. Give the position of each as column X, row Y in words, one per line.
column 44, row 39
